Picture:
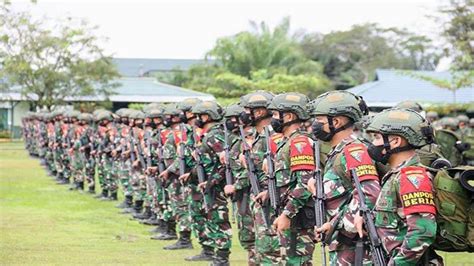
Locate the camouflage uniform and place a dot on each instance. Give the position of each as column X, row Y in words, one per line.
column 342, row 201
column 405, row 211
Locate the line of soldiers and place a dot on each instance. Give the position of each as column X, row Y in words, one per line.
column 294, row 172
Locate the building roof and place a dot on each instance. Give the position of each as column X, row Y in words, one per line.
column 137, row 67
column 132, row 90
column 393, row 86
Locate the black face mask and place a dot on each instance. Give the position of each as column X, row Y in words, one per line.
column 231, row 125
column 277, row 125
column 183, row 118
column 375, row 152
column 167, row 121
column 152, row 124
column 199, row 123
column 245, row 118
column 319, row 132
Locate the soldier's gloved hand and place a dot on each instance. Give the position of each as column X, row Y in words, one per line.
column 359, row 224
column 164, row 175
column 312, row 185
column 151, row 170
column 184, row 178
column 265, row 166
column 242, row 160
column 229, row 189
column 281, row 223
column 202, row 185
column 261, row 197
column 222, row 157
column 324, row 229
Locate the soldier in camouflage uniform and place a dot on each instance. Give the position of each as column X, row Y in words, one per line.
column 240, row 189
column 86, row 142
column 121, row 162
column 77, row 156
column 267, row 244
column 405, row 212
column 294, row 166
column 217, row 225
column 169, row 182
column 335, row 113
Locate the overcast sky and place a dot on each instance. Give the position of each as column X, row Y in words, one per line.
column 187, row 29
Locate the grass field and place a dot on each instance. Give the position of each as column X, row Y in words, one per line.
column 44, row 223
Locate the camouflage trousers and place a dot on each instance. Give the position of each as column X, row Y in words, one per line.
column 49, row 156
column 301, row 251
column 245, row 226
column 78, row 168
column 267, row 242
column 124, row 176
column 212, row 227
column 90, row 172
column 179, row 203
column 344, row 253
column 100, row 172
column 138, row 183
column 110, row 179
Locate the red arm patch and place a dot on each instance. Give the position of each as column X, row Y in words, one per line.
column 358, row 158
column 301, row 154
column 274, row 140
column 416, row 191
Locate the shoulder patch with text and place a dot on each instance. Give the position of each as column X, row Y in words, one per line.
column 416, row 191
column 301, row 154
column 358, row 158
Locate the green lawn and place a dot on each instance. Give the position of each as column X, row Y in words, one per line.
column 44, row 223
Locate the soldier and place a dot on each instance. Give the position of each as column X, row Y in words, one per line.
column 169, row 182
column 294, row 166
column 449, row 141
column 217, row 225
column 463, row 127
column 122, row 162
column 74, row 144
column 86, row 148
column 405, row 209
column 335, row 113
column 239, row 190
column 267, row 244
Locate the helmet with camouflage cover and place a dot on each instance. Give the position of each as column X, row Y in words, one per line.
column 213, row 109
column 256, row 99
column 136, row 114
column 147, row 108
column 291, row 102
column 187, row 104
column 104, row 115
column 471, row 122
column 86, row 117
column 410, row 105
column 154, row 113
column 339, row 103
column 171, row 109
column 449, row 122
column 403, row 122
column 432, row 115
column 122, row 112
column 463, row 119
column 233, row 110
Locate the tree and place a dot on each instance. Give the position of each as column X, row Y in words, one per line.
column 457, row 24
column 53, row 63
column 351, row 57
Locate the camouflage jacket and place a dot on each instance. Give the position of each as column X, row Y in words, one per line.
column 342, row 201
column 294, row 166
column 405, row 212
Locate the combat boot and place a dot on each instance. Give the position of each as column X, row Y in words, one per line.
column 104, row 195
column 138, row 207
column 91, row 190
column 80, row 185
column 161, row 228
column 73, row 185
column 221, row 258
column 146, row 214
column 207, row 254
column 127, row 202
column 169, row 234
column 113, row 196
column 184, row 242
column 153, row 220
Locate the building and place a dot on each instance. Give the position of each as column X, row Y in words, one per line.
column 137, row 84
column 393, row 86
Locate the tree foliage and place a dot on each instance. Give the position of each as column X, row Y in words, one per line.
column 351, row 57
column 53, row 62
